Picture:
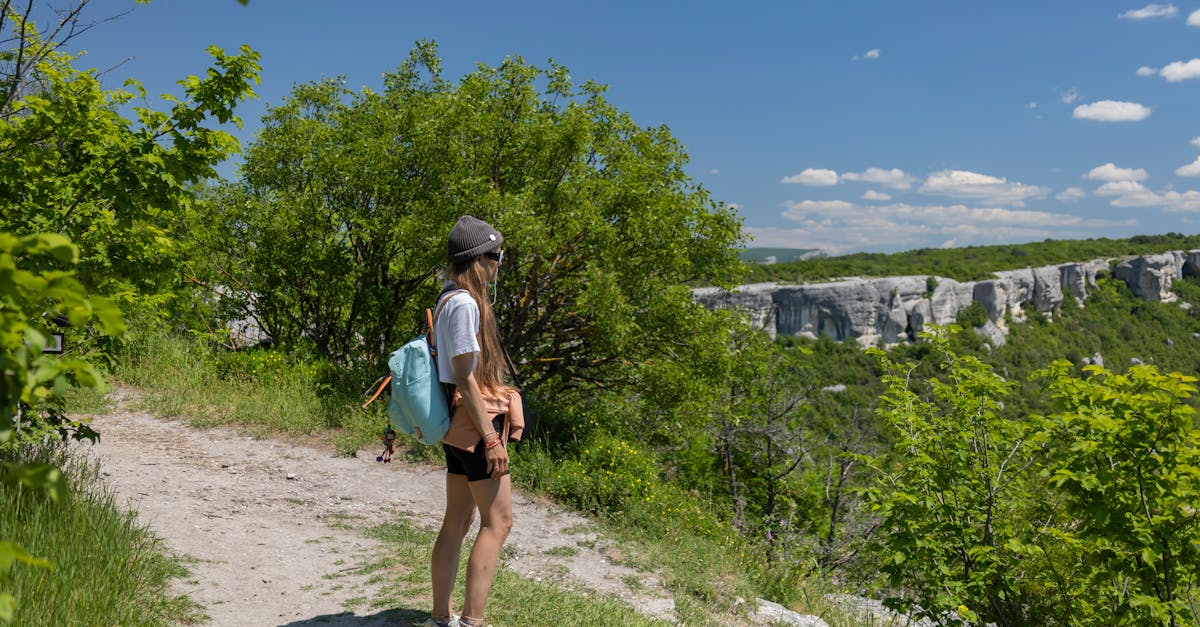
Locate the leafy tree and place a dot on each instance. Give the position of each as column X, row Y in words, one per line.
column 337, row 228
column 761, row 436
column 74, row 165
column 843, row 434
column 1127, row 461
column 32, row 290
column 950, row 492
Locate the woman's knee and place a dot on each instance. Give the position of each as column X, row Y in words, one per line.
column 501, row 522
column 458, row 525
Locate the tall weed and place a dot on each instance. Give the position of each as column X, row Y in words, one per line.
column 267, row 391
column 107, row 568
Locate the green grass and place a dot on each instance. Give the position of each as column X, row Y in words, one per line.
column 404, row 572
column 266, row 392
column 83, row 400
column 108, row 569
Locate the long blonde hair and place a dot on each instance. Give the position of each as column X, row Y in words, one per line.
column 492, row 369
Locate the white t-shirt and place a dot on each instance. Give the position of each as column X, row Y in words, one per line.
column 456, row 332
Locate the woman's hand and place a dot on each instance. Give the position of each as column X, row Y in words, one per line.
column 472, row 400
column 497, row 460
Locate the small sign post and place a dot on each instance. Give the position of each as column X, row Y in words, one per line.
column 58, row 342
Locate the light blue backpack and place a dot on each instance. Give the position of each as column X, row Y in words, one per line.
column 418, row 401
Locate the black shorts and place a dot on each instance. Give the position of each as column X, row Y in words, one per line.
column 473, row 465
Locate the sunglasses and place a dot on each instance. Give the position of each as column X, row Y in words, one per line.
column 497, row 256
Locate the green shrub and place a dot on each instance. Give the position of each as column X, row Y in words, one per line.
column 949, row 501
column 972, row 316
column 615, row 479
column 1126, row 463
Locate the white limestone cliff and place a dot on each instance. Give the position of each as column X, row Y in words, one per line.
column 894, row 309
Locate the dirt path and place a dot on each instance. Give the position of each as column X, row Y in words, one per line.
column 265, row 522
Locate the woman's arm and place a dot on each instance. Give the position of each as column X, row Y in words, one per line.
column 472, row 400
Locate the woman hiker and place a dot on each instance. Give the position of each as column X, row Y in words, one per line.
column 486, row 414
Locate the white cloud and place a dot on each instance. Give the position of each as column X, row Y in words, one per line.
column 1196, row 142
column 975, row 186
column 1134, row 194
column 1180, row 71
column 1121, row 188
column 894, row 178
column 1032, row 104
column 1069, row 96
column 813, row 176
column 801, row 210
column 1187, row 201
column 713, row 171
column 871, row 194
column 1194, row 18
column 1149, row 11
column 1191, row 169
column 839, row 227
column 1110, row 172
column 1146, row 70
column 1071, row 194
column 871, row 54
column 1112, row 111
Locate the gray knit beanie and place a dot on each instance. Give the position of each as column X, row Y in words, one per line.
column 470, row 238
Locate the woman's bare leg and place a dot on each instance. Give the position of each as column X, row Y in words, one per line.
column 460, row 509
column 494, row 498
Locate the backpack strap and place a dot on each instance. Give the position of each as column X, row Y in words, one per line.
column 379, row 386
column 448, row 389
column 431, row 316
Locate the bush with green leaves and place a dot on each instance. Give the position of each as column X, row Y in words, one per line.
column 1125, row 459
column 1084, row 516
column 335, row 233
column 951, row 493
column 34, row 287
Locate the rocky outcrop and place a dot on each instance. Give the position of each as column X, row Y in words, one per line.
column 1150, row 276
column 894, row 309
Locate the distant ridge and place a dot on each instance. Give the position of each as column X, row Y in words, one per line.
column 971, row 263
column 779, row 255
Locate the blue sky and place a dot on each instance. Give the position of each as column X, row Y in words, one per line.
column 846, row 126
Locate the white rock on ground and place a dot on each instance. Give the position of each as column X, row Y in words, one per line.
column 771, row 613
